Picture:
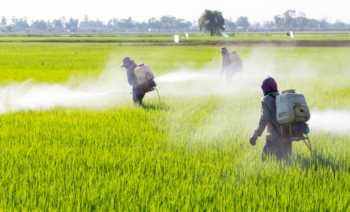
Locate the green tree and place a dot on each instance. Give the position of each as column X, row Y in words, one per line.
column 229, row 24
column 313, row 23
column 324, row 23
column 154, row 23
column 57, row 24
column 211, row 21
column 268, row 24
column 278, row 21
column 302, row 22
column 243, row 22
column 289, row 20
column 339, row 24
column 126, row 23
column 72, row 24
column 20, row 23
column 40, row 25
column 84, row 24
column 256, row 25
column 114, row 23
column 3, row 21
column 165, row 22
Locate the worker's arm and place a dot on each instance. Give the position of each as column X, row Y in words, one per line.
column 264, row 119
column 131, row 77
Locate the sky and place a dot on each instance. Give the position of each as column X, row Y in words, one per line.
column 142, row 10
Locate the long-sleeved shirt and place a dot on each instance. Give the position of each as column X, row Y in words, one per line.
column 132, row 79
column 225, row 62
column 268, row 118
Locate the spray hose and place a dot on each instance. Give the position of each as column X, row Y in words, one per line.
column 119, row 93
column 157, row 93
column 308, row 145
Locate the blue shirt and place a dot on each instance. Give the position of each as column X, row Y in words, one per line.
column 132, row 79
column 225, row 62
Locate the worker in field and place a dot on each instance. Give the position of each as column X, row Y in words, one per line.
column 137, row 94
column 226, row 64
column 274, row 144
column 231, row 63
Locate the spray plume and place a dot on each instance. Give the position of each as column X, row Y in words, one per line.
column 182, row 82
column 331, row 121
column 90, row 93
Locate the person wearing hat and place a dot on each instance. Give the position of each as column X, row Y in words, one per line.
column 137, row 94
column 274, row 144
column 226, row 64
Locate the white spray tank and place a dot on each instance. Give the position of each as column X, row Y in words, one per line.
column 143, row 74
column 291, row 108
column 292, row 113
column 235, row 61
column 234, row 56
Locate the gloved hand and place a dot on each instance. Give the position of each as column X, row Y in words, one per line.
column 253, row 140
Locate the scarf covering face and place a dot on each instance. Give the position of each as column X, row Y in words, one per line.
column 269, row 85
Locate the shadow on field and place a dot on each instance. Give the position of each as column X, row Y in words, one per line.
column 156, row 106
column 320, row 161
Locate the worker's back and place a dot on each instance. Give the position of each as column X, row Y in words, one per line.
column 132, row 79
column 268, row 103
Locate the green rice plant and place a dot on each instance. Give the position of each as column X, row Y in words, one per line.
column 189, row 152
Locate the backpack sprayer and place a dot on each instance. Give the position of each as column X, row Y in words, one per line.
column 292, row 113
column 236, row 62
column 145, row 78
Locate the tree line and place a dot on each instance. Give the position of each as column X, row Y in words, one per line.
column 290, row 19
column 74, row 25
column 214, row 23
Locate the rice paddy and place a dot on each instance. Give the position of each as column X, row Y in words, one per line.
column 188, row 152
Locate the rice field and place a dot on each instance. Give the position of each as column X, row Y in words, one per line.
column 189, row 151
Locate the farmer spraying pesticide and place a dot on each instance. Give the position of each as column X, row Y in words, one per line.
column 140, row 77
column 231, row 63
column 285, row 117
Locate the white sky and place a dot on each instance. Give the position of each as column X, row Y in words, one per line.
column 142, row 10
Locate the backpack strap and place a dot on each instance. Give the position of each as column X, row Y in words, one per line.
column 276, row 127
column 271, row 95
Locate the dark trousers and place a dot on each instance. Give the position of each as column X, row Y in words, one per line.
column 137, row 98
column 282, row 150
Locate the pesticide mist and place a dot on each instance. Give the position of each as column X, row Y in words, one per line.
column 96, row 92
column 30, row 95
column 91, row 92
column 110, row 88
column 330, row 121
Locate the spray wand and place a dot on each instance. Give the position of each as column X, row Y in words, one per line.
column 119, row 93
